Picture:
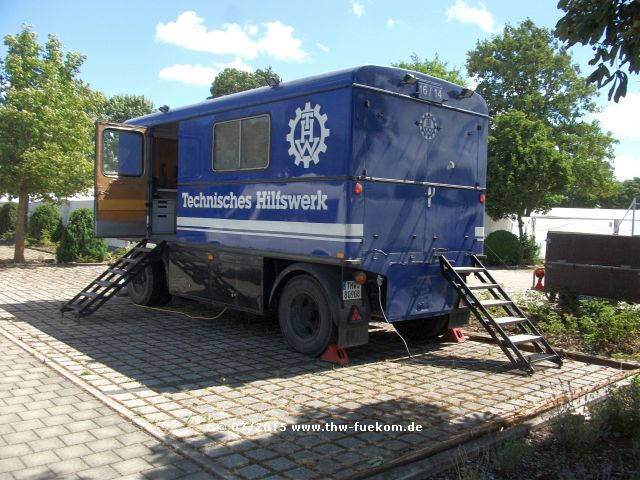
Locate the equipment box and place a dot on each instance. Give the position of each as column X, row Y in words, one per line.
column 163, row 217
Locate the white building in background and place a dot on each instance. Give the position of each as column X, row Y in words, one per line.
column 582, row 220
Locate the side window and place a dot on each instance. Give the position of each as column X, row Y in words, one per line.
column 241, row 144
column 122, row 153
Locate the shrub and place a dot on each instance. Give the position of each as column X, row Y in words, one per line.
column 503, row 247
column 509, row 457
column 77, row 242
column 608, row 327
column 44, row 222
column 591, row 325
column 620, row 412
column 8, row 214
column 575, row 434
column 529, row 249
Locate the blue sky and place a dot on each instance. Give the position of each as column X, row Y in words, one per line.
column 170, row 51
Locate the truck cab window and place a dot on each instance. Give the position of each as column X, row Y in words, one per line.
column 241, row 144
column 122, row 153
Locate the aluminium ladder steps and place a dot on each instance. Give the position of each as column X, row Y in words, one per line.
column 113, row 279
column 482, row 286
column 512, row 316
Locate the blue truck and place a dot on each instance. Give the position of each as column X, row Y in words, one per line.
column 327, row 200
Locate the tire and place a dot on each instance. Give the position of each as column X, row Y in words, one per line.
column 423, row 328
column 149, row 287
column 305, row 316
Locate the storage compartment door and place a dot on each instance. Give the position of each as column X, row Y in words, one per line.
column 121, row 183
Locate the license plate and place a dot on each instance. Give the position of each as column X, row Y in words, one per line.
column 351, row 291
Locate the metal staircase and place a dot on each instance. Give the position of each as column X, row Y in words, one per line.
column 513, row 317
column 113, row 279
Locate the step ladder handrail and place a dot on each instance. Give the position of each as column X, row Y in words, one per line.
column 504, row 342
column 476, row 261
column 526, row 327
column 85, row 305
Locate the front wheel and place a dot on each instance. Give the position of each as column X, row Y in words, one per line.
column 149, row 287
column 305, row 316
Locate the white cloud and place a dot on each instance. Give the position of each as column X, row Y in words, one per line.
column 462, row 12
column 392, row 23
column 237, row 64
column 621, row 118
column 279, row 42
column 357, row 8
column 189, row 74
column 626, row 167
column 322, row 46
column 188, row 31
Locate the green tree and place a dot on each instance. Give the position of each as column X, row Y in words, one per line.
column 526, row 70
column 593, row 181
column 628, row 190
column 232, row 80
column 435, row 68
column 528, row 173
column 123, row 107
column 612, row 29
column 46, row 124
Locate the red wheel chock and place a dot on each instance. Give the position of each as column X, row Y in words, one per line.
column 335, row 354
column 454, row 335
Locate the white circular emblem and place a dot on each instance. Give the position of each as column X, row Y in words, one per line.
column 307, row 133
column 428, row 126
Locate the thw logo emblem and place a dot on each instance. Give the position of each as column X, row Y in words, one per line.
column 307, row 135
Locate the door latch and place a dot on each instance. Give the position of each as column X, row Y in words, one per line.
column 431, row 191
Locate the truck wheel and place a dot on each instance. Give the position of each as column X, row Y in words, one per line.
column 149, row 287
column 422, row 329
column 305, row 316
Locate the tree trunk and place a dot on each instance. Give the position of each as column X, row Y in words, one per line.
column 21, row 222
column 520, row 226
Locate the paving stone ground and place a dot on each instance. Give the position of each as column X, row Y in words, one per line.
column 50, row 428
column 229, row 390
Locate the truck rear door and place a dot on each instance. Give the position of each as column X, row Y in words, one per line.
column 121, row 181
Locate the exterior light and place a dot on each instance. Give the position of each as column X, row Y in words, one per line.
column 360, row 277
column 357, row 188
column 465, row 93
column 273, row 81
column 409, row 79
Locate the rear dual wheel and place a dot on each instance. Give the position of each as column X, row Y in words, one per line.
column 305, row 316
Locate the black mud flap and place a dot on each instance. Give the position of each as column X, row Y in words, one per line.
column 353, row 321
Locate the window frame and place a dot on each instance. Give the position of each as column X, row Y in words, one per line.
column 240, row 120
column 142, row 156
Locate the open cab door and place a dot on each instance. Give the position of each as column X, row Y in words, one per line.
column 121, row 181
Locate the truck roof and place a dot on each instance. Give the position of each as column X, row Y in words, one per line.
column 386, row 79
